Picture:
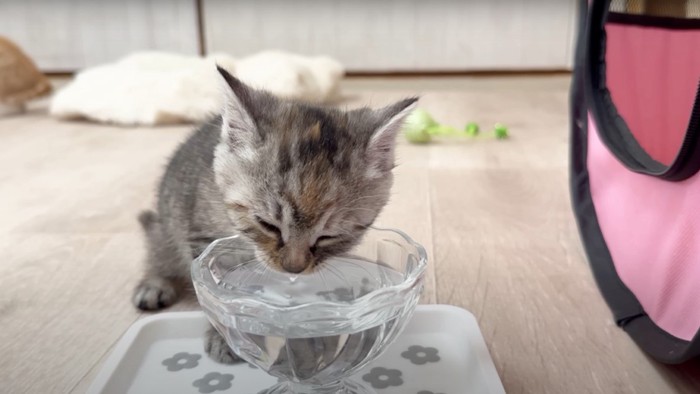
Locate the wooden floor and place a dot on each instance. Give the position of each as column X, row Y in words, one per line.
column 494, row 216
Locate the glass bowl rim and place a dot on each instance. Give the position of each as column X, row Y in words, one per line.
column 389, row 294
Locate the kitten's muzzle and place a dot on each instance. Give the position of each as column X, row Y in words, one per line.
column 297, row 260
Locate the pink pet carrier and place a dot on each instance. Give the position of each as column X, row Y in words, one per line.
column 635, row 156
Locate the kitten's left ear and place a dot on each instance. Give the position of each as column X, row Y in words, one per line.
column 380, row 150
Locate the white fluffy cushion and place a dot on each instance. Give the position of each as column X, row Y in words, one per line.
column 151, row 88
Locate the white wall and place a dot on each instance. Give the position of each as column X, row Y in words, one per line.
column 64, row 35
column 365, row 35
column 395, row 35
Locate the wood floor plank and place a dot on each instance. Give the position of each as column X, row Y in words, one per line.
column 88, row 178
column 64, row 302
column 509, row 253
column 506, row 248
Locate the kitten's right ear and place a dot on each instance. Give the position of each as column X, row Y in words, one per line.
column 238, row 125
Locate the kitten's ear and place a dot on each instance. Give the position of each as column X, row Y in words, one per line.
column 380, row 150
column 238, row 125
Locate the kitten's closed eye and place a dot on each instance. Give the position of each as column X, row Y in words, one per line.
column 325, row 238
column 269, row 227
column 323, row 241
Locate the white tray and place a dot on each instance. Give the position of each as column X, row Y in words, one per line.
column 455, row 359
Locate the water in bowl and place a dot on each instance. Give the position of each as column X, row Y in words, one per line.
column 319, row 350
column 339, row 279
column 312, row 359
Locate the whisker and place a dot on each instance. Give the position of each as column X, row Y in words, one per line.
column 335, row 271
column 355, row 209
column 370, row 196
column 352, row 222
column 324, row 280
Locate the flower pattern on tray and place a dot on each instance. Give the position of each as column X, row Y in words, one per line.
column 213, row 381
column 381, row 378
column 420, row 355
column 182, row 360
column 377, row 377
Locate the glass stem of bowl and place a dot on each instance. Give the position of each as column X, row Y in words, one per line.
column 339, row 387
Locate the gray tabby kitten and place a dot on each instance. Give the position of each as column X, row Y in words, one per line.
column 299, row 183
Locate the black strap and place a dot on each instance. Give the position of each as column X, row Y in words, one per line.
column 613, row 129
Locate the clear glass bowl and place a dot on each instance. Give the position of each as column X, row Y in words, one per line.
column 312, row 330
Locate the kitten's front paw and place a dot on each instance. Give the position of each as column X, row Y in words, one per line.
column 216, row 347
column 154, row 293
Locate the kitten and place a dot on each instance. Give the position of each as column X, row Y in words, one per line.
column 300, row 183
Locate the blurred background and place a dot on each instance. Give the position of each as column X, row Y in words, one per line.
column 365, row 36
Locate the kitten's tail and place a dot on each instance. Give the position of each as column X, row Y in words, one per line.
column 148, row 219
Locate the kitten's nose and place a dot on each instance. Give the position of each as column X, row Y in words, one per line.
column 296, row 260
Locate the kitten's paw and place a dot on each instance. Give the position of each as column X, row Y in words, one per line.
column 216, row 347
column 154, row 293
